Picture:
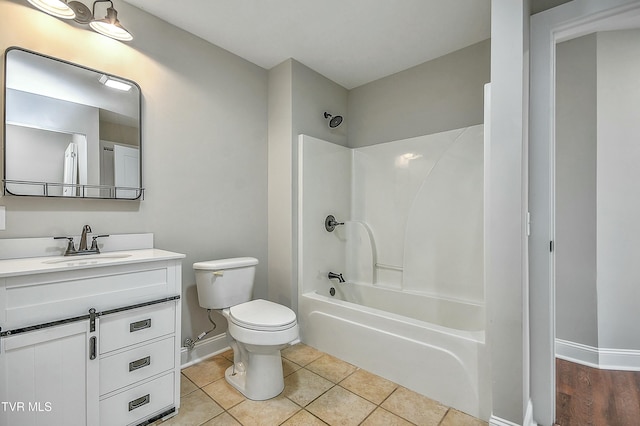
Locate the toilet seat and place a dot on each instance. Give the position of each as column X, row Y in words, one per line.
column 262, row 315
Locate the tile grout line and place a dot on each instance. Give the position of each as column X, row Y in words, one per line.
column 389, row 411
column 446, row 413
column 321, row 373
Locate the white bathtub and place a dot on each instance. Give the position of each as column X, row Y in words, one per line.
column 439, row 353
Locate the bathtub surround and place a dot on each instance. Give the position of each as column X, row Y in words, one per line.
column 421, row 200
column 413, row 213
column 451, row 314
column 414, row 290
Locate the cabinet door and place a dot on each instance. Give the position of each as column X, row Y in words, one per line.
column 48, row 378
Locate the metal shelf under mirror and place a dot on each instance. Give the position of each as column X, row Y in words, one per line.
column 56, row 189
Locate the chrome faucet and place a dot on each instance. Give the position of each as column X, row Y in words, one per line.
column 334, row 275
column 83, row 248
column 83, row 238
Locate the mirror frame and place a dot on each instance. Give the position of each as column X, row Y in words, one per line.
column 82, row 189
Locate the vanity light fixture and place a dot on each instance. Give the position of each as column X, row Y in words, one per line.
column 109, row 26
column 115, row 83
column 57, row 8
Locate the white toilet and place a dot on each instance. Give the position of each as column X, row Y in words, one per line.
column 258, row 329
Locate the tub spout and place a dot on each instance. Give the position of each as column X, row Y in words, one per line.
column 334, row 275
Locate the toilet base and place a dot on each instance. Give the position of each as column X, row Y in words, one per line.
column 263, row 378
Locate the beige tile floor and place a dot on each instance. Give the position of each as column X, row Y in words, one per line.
column 319, row 390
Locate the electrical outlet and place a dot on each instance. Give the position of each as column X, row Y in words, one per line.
column 3, row 216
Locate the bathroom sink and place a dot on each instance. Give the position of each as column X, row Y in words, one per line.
column 87, row 259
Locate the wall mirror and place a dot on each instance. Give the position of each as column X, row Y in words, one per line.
column 69, row 131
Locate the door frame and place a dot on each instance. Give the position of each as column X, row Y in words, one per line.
column 565, row 22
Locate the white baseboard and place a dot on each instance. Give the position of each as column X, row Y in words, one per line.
column 204, row 349
column 578, row 353
column 620, row 359
column 497, row 421
column 528, row 415
column 528, row 419
column 602, row 358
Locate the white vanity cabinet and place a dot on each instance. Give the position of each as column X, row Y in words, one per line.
column 138, row 356
column 48, row 374
column 86, row 342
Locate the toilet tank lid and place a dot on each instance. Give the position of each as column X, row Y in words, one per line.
column 235, row 262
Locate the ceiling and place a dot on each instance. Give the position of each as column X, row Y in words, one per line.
column 351, row 42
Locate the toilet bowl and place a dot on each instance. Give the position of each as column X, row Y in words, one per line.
column 257, row 329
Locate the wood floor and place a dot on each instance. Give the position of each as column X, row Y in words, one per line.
column 588, row 396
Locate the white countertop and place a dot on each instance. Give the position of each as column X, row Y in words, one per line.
column 45, row 264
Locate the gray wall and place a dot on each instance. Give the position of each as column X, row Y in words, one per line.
column 542, row 5
column 280, row 203
column 204, row 144
column 576, row 293
column 298, row 97
column 618, row 176
column 443, row 94
column 596, row 175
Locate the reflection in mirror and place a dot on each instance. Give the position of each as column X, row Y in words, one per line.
column 69, row 131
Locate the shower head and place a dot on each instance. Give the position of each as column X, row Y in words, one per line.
column 334, row 121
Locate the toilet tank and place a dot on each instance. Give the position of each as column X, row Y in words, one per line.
column 225, row 282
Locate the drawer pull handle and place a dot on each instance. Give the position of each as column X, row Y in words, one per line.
column 141, row 363
column 139, row 325
column 93, row 350
column 137, row 403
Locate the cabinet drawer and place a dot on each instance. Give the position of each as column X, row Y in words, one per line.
column 126, row 368
column 135, row 326
column 40, row 298
column 138, row 403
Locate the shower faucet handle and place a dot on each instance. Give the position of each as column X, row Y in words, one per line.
column 330, row 223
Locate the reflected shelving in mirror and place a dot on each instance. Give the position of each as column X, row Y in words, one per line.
column 68, row 134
